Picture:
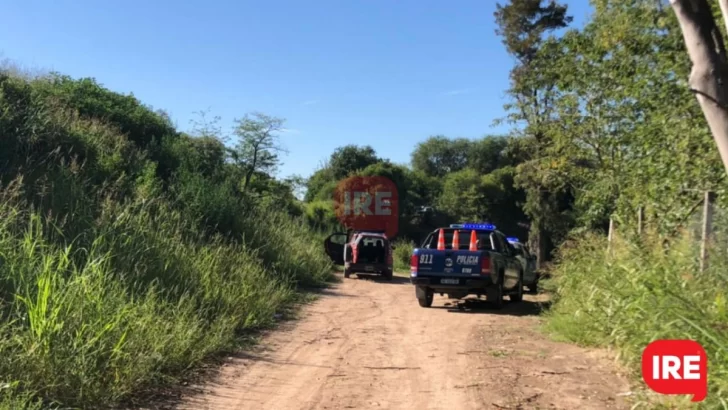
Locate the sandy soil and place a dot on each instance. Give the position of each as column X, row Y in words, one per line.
column 366, row 344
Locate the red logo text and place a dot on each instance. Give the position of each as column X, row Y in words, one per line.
column 367, row 204
column 676, row 367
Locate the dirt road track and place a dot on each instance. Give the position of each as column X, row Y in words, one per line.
column 366, row 344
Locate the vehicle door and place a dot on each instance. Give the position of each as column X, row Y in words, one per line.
column 512, row 264
column 521, row 256
column 334, row 247
column 529, row 275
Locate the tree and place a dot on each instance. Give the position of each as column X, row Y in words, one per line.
column 439, row 155
column 707, row 52
column 628, row 134
column 488, row 154
column 343, row 162
column 468, row 195
column 258, row 144
column 523, row 25
column 351, row 158
column 399, row 175
column 206, row 126
column 320, row 185
column 462, row 196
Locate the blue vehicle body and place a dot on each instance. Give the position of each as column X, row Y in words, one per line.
column 492, row 270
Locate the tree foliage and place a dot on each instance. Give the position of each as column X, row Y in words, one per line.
column 351, row 158
column 524, row 26
column 258, row 144
column 461, row 179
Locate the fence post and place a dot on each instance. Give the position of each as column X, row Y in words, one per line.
column 610, row 236
column 640, row 220
column 707, row 228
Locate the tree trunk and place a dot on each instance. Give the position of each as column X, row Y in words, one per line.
column 251, row 170
column 724, row 11
column 537, row 243
column 709, row 74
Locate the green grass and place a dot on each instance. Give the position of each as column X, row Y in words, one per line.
column 402, row 253
column 644, row 292
column 149, row 300
column 128, row 252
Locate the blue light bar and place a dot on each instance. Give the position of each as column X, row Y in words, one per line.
column 513, row 240
column 488, row 227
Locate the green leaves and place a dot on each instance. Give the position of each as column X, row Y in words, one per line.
column 609, row 119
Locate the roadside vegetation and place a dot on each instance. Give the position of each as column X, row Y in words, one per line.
column 131, row 252
column 613, row 127
column 643, row 292
column 603, row 124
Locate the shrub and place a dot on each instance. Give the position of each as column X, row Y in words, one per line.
column 643, row 292
column 402, row 253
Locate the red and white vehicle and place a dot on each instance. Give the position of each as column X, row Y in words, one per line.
column 368, row 252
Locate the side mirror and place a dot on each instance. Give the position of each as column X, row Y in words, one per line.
column 393, row 247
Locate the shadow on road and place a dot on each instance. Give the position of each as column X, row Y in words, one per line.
column 523, row 308
column 332, row 292
column 396, row 280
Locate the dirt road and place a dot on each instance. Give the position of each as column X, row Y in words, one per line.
column 366, row 344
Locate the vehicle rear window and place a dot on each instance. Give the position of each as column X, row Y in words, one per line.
column 463, row 237
column 371, row 241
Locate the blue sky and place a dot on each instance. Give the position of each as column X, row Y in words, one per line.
column 380, row 72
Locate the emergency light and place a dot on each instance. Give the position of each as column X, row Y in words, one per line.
column 513, row 240
column 489, row 227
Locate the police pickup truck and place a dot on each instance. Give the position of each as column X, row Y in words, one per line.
column 466, row 259
column 528, row 261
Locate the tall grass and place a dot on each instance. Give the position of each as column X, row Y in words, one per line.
column 150, row 298
column 128, row 253
column 643, row 292
column 402, row 253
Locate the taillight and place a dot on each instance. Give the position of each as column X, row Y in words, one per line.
column 414, row 263
column 485, row 266
column 354, row 254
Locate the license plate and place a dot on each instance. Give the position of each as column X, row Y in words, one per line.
column 449, row 281
column 369, row 268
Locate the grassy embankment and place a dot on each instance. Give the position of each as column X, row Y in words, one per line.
column 644, row 292
column 127, row 254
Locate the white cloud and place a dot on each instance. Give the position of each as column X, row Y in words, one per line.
column 458, row 92
column 310, row 102
column 290, row 131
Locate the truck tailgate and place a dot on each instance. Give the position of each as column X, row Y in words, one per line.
column 451, row 263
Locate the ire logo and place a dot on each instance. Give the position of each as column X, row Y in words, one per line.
column 676, row 367
column 367, row 204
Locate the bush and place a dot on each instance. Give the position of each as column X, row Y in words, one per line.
column 402, row 254
column 149, row 299
column 128, row 253
column 644, row 292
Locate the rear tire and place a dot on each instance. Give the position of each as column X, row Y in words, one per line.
column 494, row 294
column 518, row 296
column 388, row 275
column 424, row 296
column 533, row 289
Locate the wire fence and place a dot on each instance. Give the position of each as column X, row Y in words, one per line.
column 707, row 227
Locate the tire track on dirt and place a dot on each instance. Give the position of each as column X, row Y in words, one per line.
column 368, row 344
